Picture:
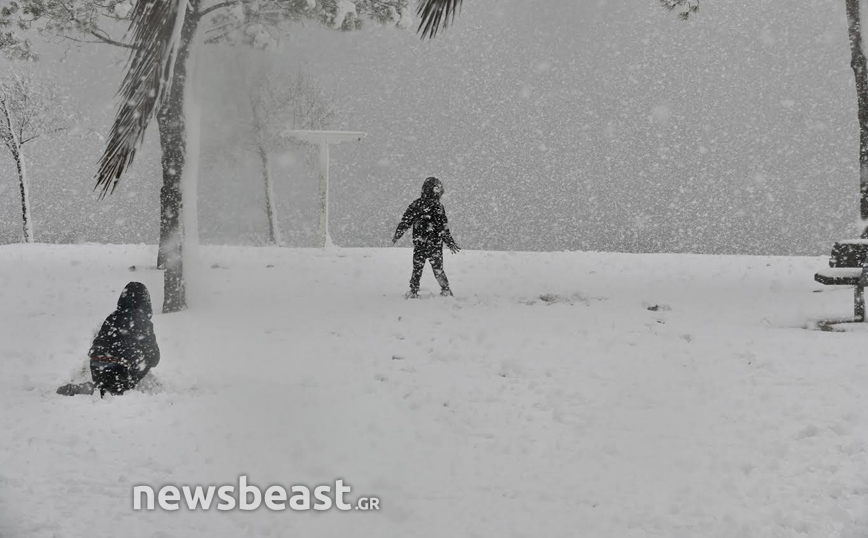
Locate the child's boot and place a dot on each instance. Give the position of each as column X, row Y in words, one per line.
column 412, row 294
column 72, row 389
column 446, row 292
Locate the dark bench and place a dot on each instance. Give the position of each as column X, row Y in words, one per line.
column 847, row 267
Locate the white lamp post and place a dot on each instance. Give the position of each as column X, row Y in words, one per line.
column 323, row 139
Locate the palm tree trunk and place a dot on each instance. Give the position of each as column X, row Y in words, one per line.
column 860, row 71
column 170, row 201
column 173, row 133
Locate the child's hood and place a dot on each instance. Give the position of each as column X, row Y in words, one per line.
column 432, row 189
column 135, row 297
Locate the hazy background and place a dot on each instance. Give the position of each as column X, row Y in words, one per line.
column 554, row 125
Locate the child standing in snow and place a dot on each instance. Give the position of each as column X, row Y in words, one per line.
column 125, row 348
column 430, row 230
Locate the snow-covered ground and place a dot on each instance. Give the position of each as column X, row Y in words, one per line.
column 545, row 400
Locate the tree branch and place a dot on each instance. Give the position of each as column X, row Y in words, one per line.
column 74, row 40
column 97, row 33
column 215, row 7
column 109, row 41
column 40, row 135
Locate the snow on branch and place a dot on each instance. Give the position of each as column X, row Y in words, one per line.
column 683, row 7
column 259, row 23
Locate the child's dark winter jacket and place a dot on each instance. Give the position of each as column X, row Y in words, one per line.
column 127, row 335
column 428, row 219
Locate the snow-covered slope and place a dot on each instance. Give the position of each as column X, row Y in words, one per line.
column 557, row 395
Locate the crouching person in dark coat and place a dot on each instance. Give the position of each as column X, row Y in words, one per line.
column 430, row 231
column 125, row 349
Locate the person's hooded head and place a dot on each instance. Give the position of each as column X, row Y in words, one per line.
column 135, row 298
column 432, row 189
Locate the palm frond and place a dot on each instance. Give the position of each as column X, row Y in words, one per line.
column 436, row 14
column 155, row 29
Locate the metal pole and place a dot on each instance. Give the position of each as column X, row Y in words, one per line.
column 325, row 239
column 859, row 304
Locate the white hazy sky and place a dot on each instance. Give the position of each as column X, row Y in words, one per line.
column 554, row 124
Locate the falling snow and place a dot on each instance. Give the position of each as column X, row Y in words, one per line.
column 636, row 346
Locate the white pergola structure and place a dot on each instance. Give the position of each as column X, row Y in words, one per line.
column 323, row 139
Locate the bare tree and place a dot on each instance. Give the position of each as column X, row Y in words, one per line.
column 29, row 110
column 279, row 101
